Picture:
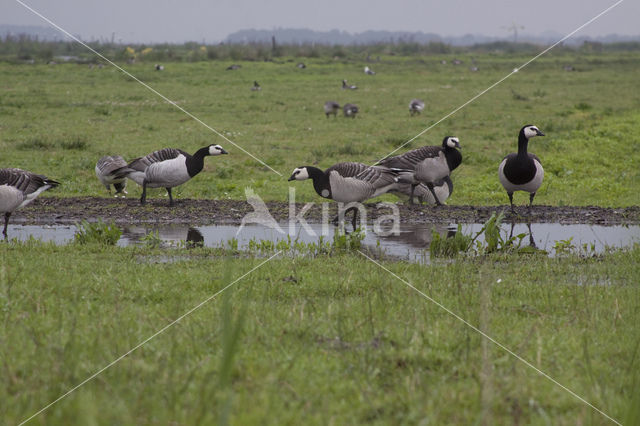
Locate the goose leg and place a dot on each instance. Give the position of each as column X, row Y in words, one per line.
column 435, row 197
column 355, row 217
column 531, row 195
column 143, row 197
column 6, row 223
column 170, row 197
column 510, row 194
column 413, row 188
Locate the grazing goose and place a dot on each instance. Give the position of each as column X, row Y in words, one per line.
column 348, row 86
column 331, row 107
column 428, row 165
column 348, row 182
column 159, row 67
column 443, row 190
column 369, row 71
column 301, row 65
column 113, row 170
column 416, row 106
column 256, row 86
column 169, row 167
column 18, row 188
column 522, row 171
column 350, row 110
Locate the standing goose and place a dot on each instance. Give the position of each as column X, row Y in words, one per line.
column 369, row 71
column 522, row 171
column 18, row 188
column 331, row 107
column 348, row 86
column 113, row 170
column 348, row 182
column 256, row 87
column 416, row 106
column 350, row 110
column 169, row 167
column 428, row 165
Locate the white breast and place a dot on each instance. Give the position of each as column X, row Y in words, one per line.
column 530, row 187
column 10, row 198
column 167, row 174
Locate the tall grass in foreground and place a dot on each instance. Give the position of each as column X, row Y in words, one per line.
column 325, row 339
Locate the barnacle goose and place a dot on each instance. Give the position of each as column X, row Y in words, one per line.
column 331, row 107
column 443, row 190
column 522, row 171
column 113, row 170
column 350, row 110
column 416, row 106
column 169, row 167
column 428, row 165
column 348, row 86
column 18, row 188
column 256, row 86
column 369, row 71
column 348, row 182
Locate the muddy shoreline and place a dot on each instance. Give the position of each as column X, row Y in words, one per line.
column 52, row 210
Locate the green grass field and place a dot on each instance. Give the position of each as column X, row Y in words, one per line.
column 332, row 339
column 60, row 119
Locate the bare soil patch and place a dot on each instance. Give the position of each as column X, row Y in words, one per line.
column 52, row 210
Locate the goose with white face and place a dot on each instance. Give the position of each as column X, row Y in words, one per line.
column 216, row 150
column 532, row 131
column 453, row 142
column 299, row 173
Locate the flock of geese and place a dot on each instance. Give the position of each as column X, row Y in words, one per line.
column 423, row 173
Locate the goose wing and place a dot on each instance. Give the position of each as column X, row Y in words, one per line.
column 409, row 159
column 142, row 163
column 347, row 169
column 25, row 181
column 378, row 177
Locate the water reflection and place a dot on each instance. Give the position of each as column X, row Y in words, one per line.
column 411, row 242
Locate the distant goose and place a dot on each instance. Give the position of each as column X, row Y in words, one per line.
column 301, row 65
column 331, row 107
column 416, row 106
column 18, row 188
column 348, row 182
column 350, row 110
column 233, row 67
column 522, row 171
column 113, row 170
column 168, row 168
column 159, row 67
column 255, row 86
column 348, row 86
column 428, row 165
column 369, row 71
column 443, row 190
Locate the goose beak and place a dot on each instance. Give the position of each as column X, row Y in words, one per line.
column 292, row 177
column 539, row 133
column 222, row 151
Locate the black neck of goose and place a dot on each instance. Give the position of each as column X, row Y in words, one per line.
column 523, row 142
column 195, row 162
column 453, row 156
column 320, row 179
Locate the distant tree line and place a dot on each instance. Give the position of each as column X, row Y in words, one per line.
column 25, row 48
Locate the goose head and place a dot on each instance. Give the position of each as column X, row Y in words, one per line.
column 450, row 142
column 299, row 173
column 216, row 150
column 529, row 131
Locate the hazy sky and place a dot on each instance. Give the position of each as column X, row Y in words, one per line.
column 212, row 21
